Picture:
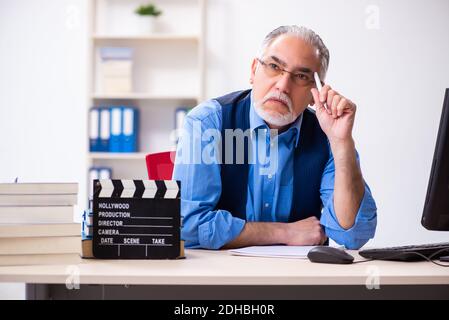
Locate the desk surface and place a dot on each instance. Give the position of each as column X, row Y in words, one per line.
column 203, row 267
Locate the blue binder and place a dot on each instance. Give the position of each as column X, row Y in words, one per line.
column 105, row 131
column 94, row 129
column 130, row 129
column 116, row 143
column 104, row 173
column 98, row 173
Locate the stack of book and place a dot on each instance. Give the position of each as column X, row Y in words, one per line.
column 36, row 224
column 116, row 69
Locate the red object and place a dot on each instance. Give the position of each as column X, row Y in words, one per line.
column 160, row 165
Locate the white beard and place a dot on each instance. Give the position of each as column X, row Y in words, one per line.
column 276, row 119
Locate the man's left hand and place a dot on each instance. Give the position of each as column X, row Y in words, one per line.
column 338, row 120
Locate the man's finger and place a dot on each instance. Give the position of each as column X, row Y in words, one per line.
column 316, row 97
column 330, row 97
column 323, row 93
column 345, row 106
column 342, row 105
column 334, row 103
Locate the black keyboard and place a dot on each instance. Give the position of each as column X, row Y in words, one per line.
column 408, row 253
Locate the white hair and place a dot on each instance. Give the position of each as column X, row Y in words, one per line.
column 308, row 35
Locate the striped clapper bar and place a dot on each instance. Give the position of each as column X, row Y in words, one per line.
column 136, row 219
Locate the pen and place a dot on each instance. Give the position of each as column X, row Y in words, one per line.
column 319, row 86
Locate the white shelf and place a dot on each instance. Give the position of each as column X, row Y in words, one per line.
column 118, row 155
column 151, row 37
column 142, row 96
column 169, row 70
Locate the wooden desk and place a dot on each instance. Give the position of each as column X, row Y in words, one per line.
column 217, row 274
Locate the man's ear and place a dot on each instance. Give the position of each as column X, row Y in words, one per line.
column 253, row 70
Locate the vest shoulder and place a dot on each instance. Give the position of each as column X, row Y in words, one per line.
column 232, row 97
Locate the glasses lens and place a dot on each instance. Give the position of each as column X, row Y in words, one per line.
column 272, row 69
column 301, row 79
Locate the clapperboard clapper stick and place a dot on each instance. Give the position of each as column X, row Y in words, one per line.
column 136, row 219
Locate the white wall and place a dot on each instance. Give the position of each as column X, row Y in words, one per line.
column 43, row 94
column 396, row 74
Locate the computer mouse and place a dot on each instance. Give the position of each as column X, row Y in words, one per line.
column 326, row 254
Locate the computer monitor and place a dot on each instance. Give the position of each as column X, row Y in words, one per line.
column 436, row 208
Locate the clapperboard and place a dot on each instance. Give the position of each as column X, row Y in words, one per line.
column 136, row 219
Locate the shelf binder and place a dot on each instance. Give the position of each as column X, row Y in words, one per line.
column 115, row 144
column 130, row 117
column 94, row 129
column 114, row 129
column 105, row 115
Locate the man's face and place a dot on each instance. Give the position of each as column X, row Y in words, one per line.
column 272, row 93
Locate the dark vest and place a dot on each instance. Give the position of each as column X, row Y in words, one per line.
column 310, row 159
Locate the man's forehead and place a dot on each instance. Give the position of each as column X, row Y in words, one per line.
column 292, row 50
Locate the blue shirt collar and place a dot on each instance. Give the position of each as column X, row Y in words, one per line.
column 256, row 122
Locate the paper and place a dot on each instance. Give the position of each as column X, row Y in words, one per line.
column 292, row 252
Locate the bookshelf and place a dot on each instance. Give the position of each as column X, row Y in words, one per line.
column 117, row 155
column 142, row 96
column 152, row 37
column 168, row 72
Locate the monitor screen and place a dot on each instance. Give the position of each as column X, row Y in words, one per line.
column 436, row 207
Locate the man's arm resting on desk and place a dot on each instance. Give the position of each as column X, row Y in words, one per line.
column 303, row 232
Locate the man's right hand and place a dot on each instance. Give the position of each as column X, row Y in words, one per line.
column 306, row 232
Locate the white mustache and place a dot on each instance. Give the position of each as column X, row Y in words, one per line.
column 279, row 96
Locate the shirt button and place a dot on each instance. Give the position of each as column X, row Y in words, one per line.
column 267, row 205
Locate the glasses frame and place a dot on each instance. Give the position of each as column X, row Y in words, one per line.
column 281, row 72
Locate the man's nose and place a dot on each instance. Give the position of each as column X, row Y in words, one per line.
column 283, row 82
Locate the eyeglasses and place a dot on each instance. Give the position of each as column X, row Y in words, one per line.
column 273, row 69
